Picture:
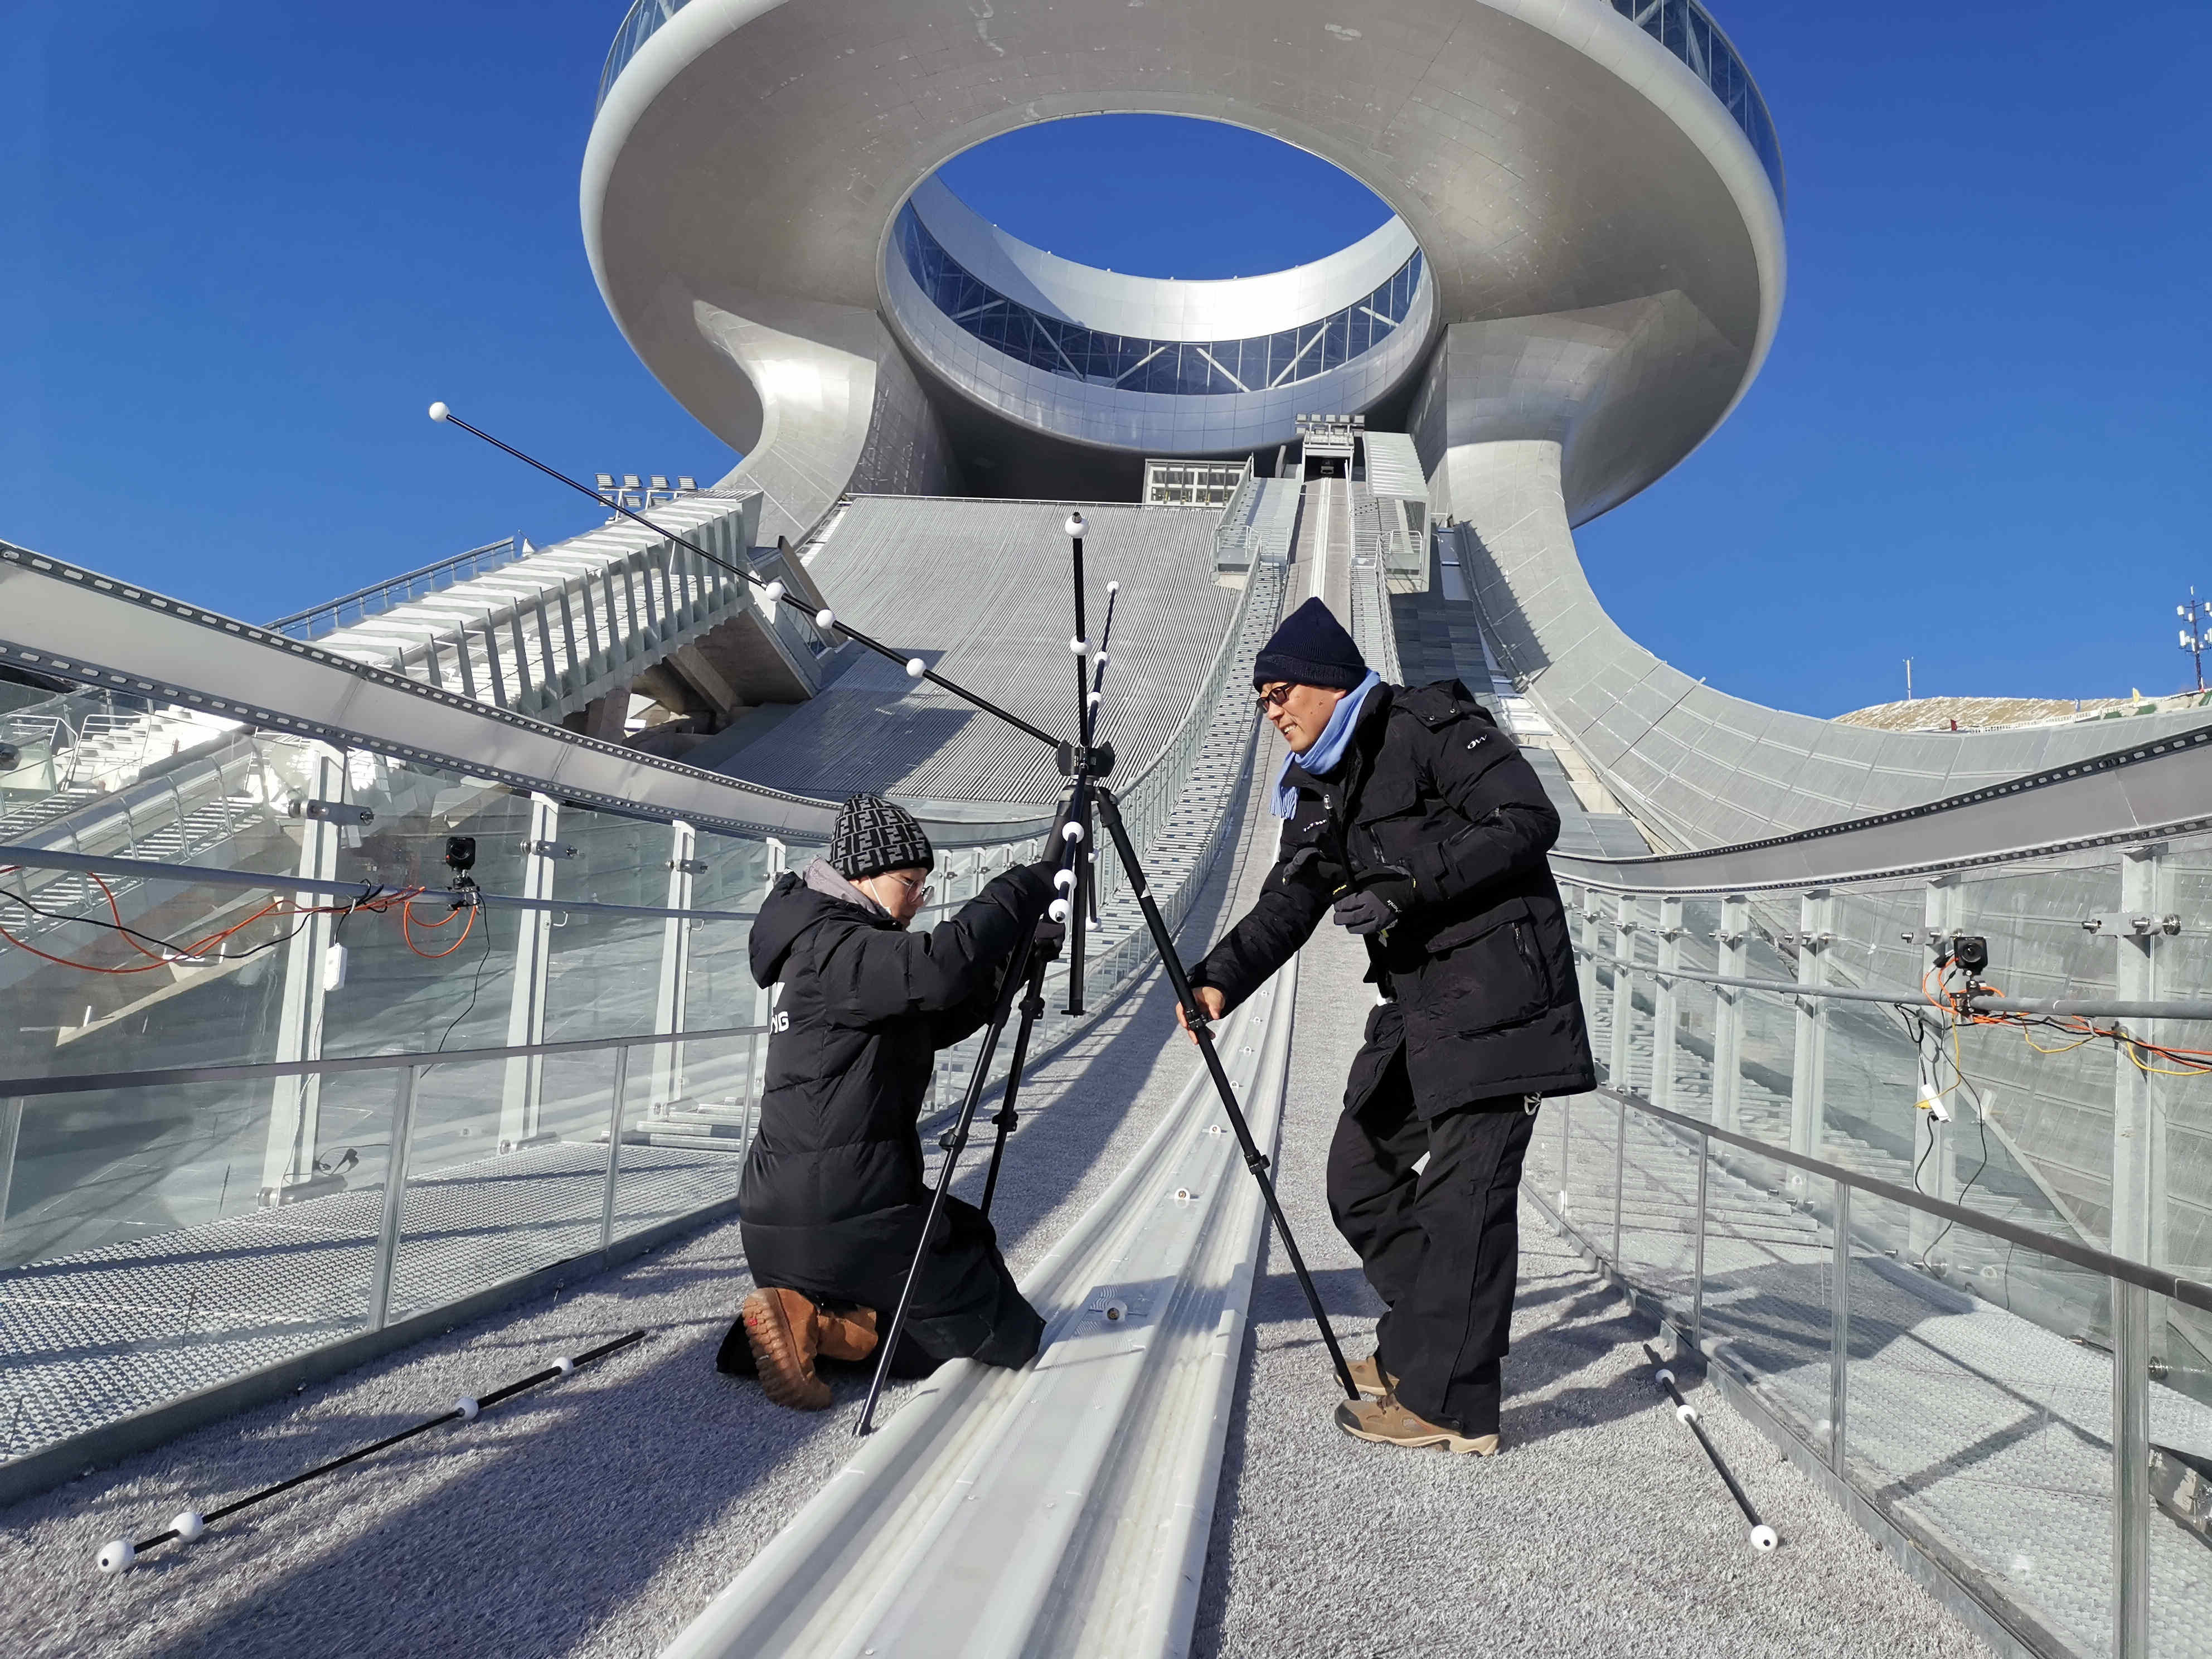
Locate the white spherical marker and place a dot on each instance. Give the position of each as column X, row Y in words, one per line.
column 1665, row 1376
column 1064, row 880
column 1071, row 830
column 565, row 1365
column 825, row 619
column 1079, row 647
column 1113, row 587
column 1058, row 909
column 915, row 668
column 1688, row 1413
column 439, row 412
column 189, row 1526
column 1762, row 1539
column 1105, row 657
column 1075, row 526
column 772, row 593
column 467, row 1408
column 116, row 1557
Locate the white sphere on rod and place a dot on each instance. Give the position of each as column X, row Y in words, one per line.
column 1075, row 526
column 1113, row 587
column 915, row 668
column 1762, row 1539
column 1064, row 879
column 772, row 593
column 825, row 619
column 1071, row 831
column 189, row 1526
column 115, row 1556
column 439, row 412
column 1058, row 909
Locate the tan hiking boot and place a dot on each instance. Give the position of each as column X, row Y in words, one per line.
column 1389, row 1424
column 1368, row 1376
column 783, row 1328
column 848, row 1336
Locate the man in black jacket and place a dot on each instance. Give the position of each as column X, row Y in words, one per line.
column 832, row 1199
column 1416, row 823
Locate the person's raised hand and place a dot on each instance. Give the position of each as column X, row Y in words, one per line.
column 1209, row 999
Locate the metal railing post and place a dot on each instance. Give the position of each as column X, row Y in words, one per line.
column 1624, row 988
column 1567, row 1145
column 2130, row 1470
column 1620, row 1177
column 522, row 1086
column 671, row 994
column 395, row 1196
column 1807, row 1068
column 1697, row 1286
column 1665, row 1003
column 614, row 1146
column 1839, row 1327
column 2139, row 1116
column 1733, row 963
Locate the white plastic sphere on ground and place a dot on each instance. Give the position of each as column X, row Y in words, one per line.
column 115, row 1556
column 467, row 1408
column 1762, row 1539
column 565, row 1365
column 1688, row 1413
column 189, row 1525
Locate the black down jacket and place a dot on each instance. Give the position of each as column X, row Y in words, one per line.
column 832, row 1199
column 1479, row 964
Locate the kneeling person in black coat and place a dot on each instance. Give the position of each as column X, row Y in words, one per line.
column 1415, row 822
column 832, row 1200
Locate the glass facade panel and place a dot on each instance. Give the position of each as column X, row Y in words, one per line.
column 1208, row 369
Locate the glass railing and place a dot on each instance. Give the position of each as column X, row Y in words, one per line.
column 364, row 603
column 639, row 25
column 1946, row 1238
column 276, row 1079
column 1686, row 29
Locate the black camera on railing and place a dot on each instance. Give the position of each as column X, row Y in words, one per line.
column 1969, row 952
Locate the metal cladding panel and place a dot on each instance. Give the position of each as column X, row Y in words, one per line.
column 1394, row 468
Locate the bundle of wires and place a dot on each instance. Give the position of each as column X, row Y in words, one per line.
column 169, row 952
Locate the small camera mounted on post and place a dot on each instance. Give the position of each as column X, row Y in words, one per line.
column 460, row 859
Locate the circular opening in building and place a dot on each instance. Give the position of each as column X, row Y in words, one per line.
column 1157, row 284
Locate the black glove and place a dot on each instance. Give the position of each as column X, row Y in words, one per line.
column 1045, row 944
column 1376, row 907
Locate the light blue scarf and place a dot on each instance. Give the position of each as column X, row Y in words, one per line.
column 1326, row 756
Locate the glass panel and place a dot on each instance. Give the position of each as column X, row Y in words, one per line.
column 1767, row 1260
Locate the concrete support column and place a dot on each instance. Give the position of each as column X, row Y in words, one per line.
column 1666, row 1004
column 1734, row 940
column 1808, row 1073
column 668, row 997
column 294, row 1102
column 523, row 1084
column 2139, row 1103
column 605, row 718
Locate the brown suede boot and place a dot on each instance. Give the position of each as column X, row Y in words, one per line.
column 783, row 1328
column 1388, row 1422
column 1370, row 1378
column 848, row 1336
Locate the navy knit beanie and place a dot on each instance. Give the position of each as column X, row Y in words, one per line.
column 1311, row 648
column 871, row 835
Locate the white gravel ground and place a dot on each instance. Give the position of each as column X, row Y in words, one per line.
column 1600, row 1529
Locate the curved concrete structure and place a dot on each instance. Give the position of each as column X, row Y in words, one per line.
column 1550, row 159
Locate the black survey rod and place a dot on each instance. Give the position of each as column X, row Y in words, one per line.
column 440, row 412
column 1195, row 1016
column 457, row 1414
column 1762, row 1535
column 1005, row 1119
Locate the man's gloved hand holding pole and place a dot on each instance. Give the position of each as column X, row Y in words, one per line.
column 1375, row 903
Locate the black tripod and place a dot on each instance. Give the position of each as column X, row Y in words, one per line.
column 1086, row 764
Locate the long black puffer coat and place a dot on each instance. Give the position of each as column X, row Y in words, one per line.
column 1479, row 966
column 832, row 1199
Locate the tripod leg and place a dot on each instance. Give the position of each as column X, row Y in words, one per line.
column 1254, row 1160
column 1032, row 1005
column 954, row 1140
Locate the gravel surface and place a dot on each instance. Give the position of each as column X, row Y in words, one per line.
column 1601, row 1529
column 596, row 1517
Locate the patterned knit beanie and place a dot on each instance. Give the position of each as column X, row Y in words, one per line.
column 872, row 835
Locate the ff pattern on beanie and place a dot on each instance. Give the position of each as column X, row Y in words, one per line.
column 871, row 835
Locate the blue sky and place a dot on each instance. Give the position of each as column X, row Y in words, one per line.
column 245, row 244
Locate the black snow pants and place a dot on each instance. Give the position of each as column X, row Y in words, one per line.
column 1441, row 1246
